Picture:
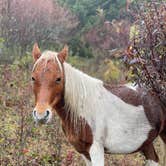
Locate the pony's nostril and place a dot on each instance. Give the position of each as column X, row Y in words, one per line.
column 34, row 113
column 47, row 113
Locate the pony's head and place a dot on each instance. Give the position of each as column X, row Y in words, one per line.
column 47, row 82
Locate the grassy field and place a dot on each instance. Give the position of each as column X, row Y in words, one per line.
column 24, row 143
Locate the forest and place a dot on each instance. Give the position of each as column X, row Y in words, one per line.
column 117, row 41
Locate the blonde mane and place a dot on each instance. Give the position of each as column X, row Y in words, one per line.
column 81, row 93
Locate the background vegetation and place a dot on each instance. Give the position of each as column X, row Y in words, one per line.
column 101, row 35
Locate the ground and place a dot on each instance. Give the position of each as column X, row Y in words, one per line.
column 24, row 143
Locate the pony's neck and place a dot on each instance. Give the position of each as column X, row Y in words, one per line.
column 79, row 91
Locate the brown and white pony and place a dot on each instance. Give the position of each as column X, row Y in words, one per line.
column 96, row 118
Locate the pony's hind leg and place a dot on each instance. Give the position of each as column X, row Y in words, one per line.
column 150, row 154
column 163, row 147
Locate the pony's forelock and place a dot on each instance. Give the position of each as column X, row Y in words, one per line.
column 48, row 55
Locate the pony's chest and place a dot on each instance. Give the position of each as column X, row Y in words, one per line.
column 80, row 137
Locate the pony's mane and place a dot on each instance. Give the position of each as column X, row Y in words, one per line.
column 81, row 93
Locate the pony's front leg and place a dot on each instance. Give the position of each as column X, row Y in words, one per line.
column 97, row 154
column 87, row 162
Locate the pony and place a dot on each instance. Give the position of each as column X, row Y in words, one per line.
column 96, row 118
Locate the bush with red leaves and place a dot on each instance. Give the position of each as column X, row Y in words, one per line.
column 147, row 52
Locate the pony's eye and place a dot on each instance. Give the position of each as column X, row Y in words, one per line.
column 33, row 79
column 58, row 80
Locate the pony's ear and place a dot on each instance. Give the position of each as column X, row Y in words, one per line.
column 62, row 55
column 36, row 52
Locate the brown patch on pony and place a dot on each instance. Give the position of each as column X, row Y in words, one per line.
column 126, row 94
column 163, row 135
column 155, row 115
column 82, row 138
column 150, row 153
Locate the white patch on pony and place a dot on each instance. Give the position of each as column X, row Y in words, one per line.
column 118, row 126
column 48, row 55
column 97, row 154
column 151, row 163
column 131, row 86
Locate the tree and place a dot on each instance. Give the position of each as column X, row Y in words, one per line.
column 44, row 21
column 146, row 54
column 92, row 16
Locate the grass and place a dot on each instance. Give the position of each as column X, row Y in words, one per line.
column 24, row 143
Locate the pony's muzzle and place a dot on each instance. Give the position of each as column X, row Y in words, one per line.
column 43, row 117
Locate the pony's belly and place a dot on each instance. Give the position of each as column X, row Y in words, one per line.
column 126, row 129
column 121, row 148
column 125, row 142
